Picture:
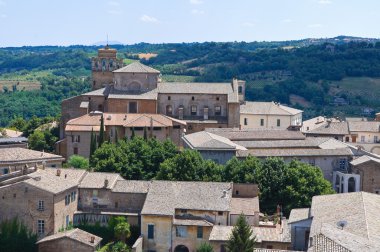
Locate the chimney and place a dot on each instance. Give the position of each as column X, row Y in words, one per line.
column 58, row 172
column 105, row 183
column 92, row 239
column 224, row 194
column 256, row 219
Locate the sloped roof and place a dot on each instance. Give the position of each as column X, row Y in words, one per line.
column 248, row 206
column 235, row 134
column 364, row 159
column 364, row 126
column 92, row 121
column 74, row 234
column 330, row 128
column 47, row 180
column 22, row 155
column 308, row 142
column 359, row 209
column 4, row 140
column 306, row 152
column 205, row 140
column 166, row 196
column 143, row 95
column 94, row 180
column 298, row 214
column 136, row 67
column 131, row 186
column 267, row 108
column 199, row 88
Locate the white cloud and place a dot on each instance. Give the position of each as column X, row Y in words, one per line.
column 325, row 2
column 113, row 3
column 148, row 19
column 197, row 12
column 315, row 25
column 114, row 12
column 287, row 20
column 196, row 2
column 248, row 24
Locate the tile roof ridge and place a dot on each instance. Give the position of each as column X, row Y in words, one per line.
column 365, row 214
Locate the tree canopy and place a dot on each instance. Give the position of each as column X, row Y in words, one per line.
column 15, row 237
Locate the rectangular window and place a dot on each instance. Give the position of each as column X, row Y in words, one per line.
column 199, row 232
column 278, row 123
column 220, row 213
column 193, row 110
column 375, row 139
column 342, row 163
column 77, row 138
column 41, row 206
column 245, row 121
column 75, row 151
column 67, row 220
column 362, row 139
column 218, row 110
column 150, row 231
column 181, row 231
column 72, row 196
column 261, row 122
column 41, row 227
column 132, row 107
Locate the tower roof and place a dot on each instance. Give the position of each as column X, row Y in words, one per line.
column 136, row 67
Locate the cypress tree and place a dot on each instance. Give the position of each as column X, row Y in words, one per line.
column 116, row 136
column 92, row 145
column 101, row 133
column 241, row 239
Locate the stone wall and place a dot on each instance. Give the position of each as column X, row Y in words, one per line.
column 64, row 245
column 135, row 82
column 369, row 176
column 121, row 106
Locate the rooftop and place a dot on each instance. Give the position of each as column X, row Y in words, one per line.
column 131, row 186
column 330, row 128
column 298, row 214
column 306, row 152
column 91, row 121
column 248, row 206
column 267, row 108
column 166, row 196
column 204, row 140
column 136, row 67
column 364, row 159
column 22, row 155
column 364, row 126
column 97, row 180
column 74, row 234
column 236, row 134
column 359, row 210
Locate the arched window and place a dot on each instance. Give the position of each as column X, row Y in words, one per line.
column 351, row 184
column 134, row 86
column 169, row 110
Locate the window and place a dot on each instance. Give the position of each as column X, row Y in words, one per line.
column 220, row 213
column 342, row 163
column 217, row 98
column 67, row 200
column 193, row 110
column 132, row 108
column 72, row 196
column 150, row 231
column 169, row 98
column 75, row 196
column 5, row 171
column 237, row 192
column 223, row 248
column 240, row 89
column 192, row 98
column 116, row 204
column 269, row 247
column 75, row 151
column 375, row 139
column 100, row 107
column 362, row 139
column 218, row 110
column 181, row 231
column 169, row 110
column 183, row 210
column 41, row 227
column 278, row 123
column 67, row 220
column 94, row 193
column 41, row 206
column 199, row 232
column 261, row 122
column 245, row 121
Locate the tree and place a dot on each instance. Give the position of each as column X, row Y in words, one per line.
column 189, row 165
column 37, row 141
column 92, row 146
column 241, row 239
column 145, row 134
column 78, row 162
column 122, row 229
column 133, row 133
column 101, row 133
column 205, row 247
column 16, row 237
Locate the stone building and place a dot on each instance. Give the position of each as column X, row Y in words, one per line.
column 78, row 130
column 45, row 200
column 137, row 88
column 15, row 159
column 74, row 240
column 368, row 170
column 269, row 115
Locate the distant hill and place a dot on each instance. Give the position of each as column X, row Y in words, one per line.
column 103, row 43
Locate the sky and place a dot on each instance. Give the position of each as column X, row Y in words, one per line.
column 73, row 22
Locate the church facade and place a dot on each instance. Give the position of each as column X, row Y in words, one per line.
column 137, row 89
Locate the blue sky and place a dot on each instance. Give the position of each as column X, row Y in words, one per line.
column 55, row 22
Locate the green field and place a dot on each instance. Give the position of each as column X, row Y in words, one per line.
column 177, row 78
column 20, row 85
column 368, row 88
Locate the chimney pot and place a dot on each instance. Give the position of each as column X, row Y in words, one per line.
column 92, row 239
column 58, row 172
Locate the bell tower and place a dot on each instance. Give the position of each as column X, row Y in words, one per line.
column 102, row 67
